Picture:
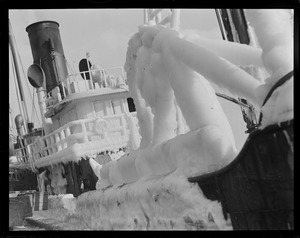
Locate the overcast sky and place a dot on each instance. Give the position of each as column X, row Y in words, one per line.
column 102, row 32
column 105, row 34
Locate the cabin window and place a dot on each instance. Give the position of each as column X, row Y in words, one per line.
column 131, row 105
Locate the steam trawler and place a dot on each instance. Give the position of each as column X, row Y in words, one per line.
column 90, row 116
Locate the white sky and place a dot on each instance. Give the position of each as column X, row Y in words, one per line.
column 105, row 34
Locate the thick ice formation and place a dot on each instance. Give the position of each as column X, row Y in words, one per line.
column 143, row 113
column 167, row 74
column 134, row 136
column 155, row 88
column 236, row 53
column 212, row 67
column 275, row 35
column 96, row 167
column 180, row 100
column 164, row 203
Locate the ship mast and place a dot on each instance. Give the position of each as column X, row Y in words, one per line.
column 234, row 28
column 12, row 43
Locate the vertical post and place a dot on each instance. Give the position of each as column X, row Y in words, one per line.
column 69, row 85
column 68, row 132
column 63, row 87
column 48, row 142
column 104, row 75
column 53, row 147
column 91, row 79
column 175, row 20
column 42, row 152
column 63, row 137
column 59, row 95
column 94, row 110
column 42, row 105
column 85, row 137
column 145, row 16
column 75, row 82
column 105, row 108
column 151, row 21
column 57, row 140
column 122, row 105
column 158, row 17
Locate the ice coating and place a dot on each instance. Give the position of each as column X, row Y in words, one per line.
column 212, row 67
column 161, row 203
column 275, row 35
column 180, row 100
column 156, row 89
column 166, row 83
column 236, row 53
column 134, row 136
column 96, row 167
column 144, row 114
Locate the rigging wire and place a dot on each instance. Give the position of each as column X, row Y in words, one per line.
column 73, row 71
column 16, row 86
column 28, row 88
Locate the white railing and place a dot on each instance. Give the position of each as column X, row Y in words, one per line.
column 85, row 81
column 22, row 154
column 107, row 130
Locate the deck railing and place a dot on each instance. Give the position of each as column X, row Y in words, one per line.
column 86, row 81
column 109, row 131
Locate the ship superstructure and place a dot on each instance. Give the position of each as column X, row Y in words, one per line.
column 84, row 114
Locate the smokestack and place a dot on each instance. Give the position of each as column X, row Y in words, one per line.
column 47, row 51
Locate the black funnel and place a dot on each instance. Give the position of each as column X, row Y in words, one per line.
column 47, row 51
